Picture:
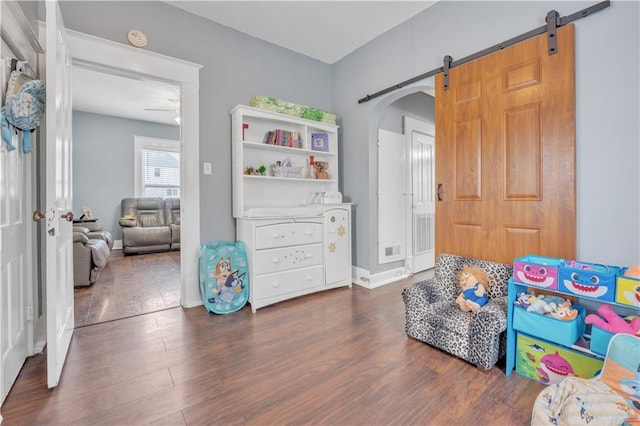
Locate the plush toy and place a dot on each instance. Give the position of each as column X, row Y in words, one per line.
column 613, row 322
column 524, row 299
column 473, row 282
column 564, row 312
column 541, row 304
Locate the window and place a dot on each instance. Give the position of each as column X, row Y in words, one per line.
column 157, row 167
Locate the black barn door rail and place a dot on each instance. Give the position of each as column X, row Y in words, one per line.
column 553, row 20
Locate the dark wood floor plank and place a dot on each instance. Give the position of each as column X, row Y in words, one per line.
column 336, row 357
column 129, row 286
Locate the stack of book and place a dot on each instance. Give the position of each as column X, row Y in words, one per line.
column 283, row 138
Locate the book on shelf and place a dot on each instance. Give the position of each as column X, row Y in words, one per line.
column 283, row 138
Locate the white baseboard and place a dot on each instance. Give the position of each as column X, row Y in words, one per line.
column 38, row 346
column 365, row 279
column 117, row 245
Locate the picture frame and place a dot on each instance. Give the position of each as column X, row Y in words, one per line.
column 320, row 142
column 87, row 214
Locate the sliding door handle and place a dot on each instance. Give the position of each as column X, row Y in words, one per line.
column 439, row 192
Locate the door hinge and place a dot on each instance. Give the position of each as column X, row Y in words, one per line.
column 29, row 313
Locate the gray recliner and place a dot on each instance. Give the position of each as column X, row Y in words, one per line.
column 90, row 256
column 150, row 224
column 97, row 232
column 172, row 216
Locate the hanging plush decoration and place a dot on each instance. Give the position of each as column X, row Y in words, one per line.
column 23, row 108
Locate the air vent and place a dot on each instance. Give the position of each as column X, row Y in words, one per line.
column 423, row 233
column 392, row 251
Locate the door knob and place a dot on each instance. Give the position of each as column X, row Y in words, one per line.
column 37, row 215
column 68, row 216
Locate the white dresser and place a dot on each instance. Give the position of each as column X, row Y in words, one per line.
column 293, row 248
column 290, row 257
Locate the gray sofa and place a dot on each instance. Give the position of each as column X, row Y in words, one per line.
column 433, row 317
column 150, row 224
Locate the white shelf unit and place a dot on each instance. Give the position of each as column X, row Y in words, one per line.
column 248, row 129
column 292, row 250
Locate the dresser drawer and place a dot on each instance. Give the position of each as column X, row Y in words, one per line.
column 288, row 234
column 285, row 258
column 271, row 285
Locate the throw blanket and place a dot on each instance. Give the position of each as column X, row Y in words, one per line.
column 577, row 401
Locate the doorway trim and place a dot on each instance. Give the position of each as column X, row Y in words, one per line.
column 375, row 276
column 119, row 57
column 410, row 127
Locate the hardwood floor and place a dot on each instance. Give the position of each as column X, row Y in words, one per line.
column 128, row 286
column 337, row 357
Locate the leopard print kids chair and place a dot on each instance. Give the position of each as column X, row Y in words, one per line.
column 433, row 317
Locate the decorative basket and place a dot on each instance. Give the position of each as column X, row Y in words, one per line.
column 286, row 171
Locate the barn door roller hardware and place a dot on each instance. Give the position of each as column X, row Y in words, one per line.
column 553, row 22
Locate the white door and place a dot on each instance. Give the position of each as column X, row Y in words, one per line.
column 392, row 190
column 58, row 235
column 16, row 226
column 421, row 142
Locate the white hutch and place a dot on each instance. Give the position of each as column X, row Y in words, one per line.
column 298, row 237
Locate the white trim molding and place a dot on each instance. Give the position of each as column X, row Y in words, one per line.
column 365, row 279
column 116, row 57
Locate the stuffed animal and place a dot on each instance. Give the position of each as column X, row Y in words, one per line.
column 541, row 304
column 564, row 312
column 524, row 299
column 613, row 322
column 473, row 282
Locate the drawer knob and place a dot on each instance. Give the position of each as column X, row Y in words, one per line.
column 276, row 285
column 309, row 278
column 276, row 261
column 308, row 256
column 309, row 233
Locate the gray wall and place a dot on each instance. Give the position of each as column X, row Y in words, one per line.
column 103, row 168
column 416, row 105
column 236, row 67
column 607, row 109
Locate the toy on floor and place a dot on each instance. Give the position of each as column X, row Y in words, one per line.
column 609, row 321
column 473, row 282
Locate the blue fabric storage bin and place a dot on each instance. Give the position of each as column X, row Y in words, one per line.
column 599, row 340
column 589, row 280
column 548, row 328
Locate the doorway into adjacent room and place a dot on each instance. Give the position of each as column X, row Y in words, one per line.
column 406, row 201
column 118, row 120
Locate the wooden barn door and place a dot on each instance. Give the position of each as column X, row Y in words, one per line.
column 505, row 169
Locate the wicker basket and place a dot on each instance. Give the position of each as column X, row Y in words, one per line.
column 286, row 171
